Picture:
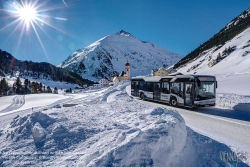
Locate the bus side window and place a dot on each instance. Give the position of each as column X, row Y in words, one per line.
column 140, row 85
column 174, row 88
column 149, row 87
column 165, row 87
column 145, row 86
column 181, row 89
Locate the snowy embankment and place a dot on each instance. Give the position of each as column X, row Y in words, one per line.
column 233, row 101
column 108, row 129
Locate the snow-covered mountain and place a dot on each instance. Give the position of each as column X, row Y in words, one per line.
column 228, row 61
column 108, row 56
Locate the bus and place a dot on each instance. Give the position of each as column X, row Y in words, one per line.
column 177, row 90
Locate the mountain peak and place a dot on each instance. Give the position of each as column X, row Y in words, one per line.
column 107, row 57
column 124, row 33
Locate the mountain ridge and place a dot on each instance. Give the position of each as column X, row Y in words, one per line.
column 43, row 70
column 108, row 55
column 229, row 63
column 232, row 29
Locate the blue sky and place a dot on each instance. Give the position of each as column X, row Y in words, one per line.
column 67, row 25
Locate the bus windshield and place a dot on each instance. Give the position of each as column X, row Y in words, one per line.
column 205, row 90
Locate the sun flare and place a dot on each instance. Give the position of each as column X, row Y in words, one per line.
column 30, row 17
column 27, row 13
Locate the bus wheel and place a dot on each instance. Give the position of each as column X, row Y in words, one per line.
column 142, row 96
column 173, row 101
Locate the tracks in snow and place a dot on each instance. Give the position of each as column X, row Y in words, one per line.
column 17, row 102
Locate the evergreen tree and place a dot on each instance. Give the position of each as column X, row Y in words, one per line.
column 34, row 87
column 218, row 57
column 18, row 85
column 49, row 89
column 55, row 90
column 3, row 86
column 26, row 82
column 40, row 87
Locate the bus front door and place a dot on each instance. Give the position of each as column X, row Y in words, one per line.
column 188, row 94
column 136, row 89
column 156, row 91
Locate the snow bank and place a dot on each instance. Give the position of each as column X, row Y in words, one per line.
column 38, row 133
column 233, row 101
column 107, row 129
column 157, row 145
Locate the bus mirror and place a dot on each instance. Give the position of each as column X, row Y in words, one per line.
column 216, row 84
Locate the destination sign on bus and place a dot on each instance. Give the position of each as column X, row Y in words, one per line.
column 206, row 78
column 165, row 79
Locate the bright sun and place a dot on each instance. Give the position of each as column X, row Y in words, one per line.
column 27, row 14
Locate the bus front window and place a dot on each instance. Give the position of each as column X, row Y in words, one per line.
column 205, row 90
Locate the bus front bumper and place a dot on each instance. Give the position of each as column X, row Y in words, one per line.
column 205, row 103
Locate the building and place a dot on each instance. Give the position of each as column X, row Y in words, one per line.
column 161, row 72
column 125, row 75
column 103, row 82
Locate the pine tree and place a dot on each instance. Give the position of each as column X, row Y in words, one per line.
column 40, row 87
column 18, row 83
column 55, row 90
column 218, row 57
column 3, row 86
column 26, row 82
column 49, row 89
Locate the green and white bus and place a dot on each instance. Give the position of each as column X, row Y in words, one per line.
column 177, row 90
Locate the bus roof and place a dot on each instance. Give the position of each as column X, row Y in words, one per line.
column 158, row 78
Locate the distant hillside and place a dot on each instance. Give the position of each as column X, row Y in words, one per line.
column 236, row 26
column 107, row 57
column 10, row 65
